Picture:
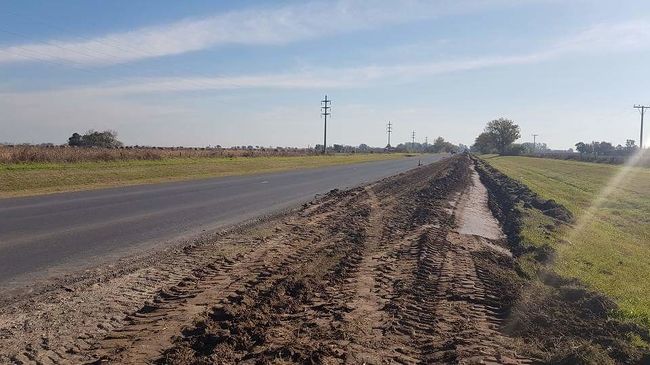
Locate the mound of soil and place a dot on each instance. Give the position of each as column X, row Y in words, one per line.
column 384, row 279
column 376, row 274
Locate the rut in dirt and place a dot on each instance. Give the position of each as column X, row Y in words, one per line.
column 378, row 274
column 391, row 272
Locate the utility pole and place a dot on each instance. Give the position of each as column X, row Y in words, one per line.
column 413, row 140
column 535, row 142
column 389, row 130
column 325, row 113
column 642, row 109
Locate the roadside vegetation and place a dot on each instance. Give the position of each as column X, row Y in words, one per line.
column 606, row 246
column 21, row 179
column 94, row 146
column 617, row 159
column 66, row 154
column 499, row 137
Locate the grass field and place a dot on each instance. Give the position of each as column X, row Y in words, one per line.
column 608, row 247
column 41, row 178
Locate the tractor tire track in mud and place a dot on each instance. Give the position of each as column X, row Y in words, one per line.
column 385, row 273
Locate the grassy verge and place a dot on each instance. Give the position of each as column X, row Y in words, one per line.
column 608, row 246
column 43, row 178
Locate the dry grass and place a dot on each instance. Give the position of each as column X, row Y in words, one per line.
column 21, row 179
column 64, row 154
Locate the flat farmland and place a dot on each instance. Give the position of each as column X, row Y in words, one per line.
column 34, row 178
column 608, row 246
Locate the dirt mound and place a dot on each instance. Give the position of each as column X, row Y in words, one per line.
column 377, row 274
column 560, row 319
column 344, row 299
column 387, row 281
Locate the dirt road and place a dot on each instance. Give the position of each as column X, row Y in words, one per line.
column 409, row 270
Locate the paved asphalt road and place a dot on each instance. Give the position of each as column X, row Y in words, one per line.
column 53, row 234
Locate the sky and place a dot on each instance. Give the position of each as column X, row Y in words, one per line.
column 198, row 73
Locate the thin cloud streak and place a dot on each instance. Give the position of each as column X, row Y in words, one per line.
column 259, row 26
column 356, row 77
column 600, row 38
column 628, row 36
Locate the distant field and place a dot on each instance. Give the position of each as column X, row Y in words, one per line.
column 20, row 179
column 609, row 250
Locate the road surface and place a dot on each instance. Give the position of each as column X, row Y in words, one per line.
column 50, row 235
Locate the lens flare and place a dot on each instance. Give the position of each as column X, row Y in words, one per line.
column 640, row 158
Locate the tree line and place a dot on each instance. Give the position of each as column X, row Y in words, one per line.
column 500, row 134
column 606, row 148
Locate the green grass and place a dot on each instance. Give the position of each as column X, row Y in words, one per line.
column 44, row 178
column 609, row 249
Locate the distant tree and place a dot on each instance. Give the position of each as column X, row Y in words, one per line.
column 107, row 139
column 582, row 148
column 483, row 143
column 75, row 140
column 603, row 148
column 503, row 133
column 514, row 149
column 630, row 146
column 529, row 147
column 440, row 145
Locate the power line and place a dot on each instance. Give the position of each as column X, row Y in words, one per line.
column 642, row 108
column 535, row 142
column 325, row 102
column 389, row 130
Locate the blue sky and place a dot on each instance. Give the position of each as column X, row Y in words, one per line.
column 248, row 72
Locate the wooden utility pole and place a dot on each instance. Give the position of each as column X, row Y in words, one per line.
column 413, row 141
column 325, row 113
column 389, row 130
column 642, row 108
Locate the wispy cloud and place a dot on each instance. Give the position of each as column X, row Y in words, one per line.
column 322, row 78
column 625, row 36
column 600, row 38
column 257, row 26
column 352, row 77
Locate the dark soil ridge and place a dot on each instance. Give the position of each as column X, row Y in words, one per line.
column 375, row 274
column 433, row 298
column 562, row 320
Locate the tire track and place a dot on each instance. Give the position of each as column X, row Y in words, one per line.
column 378, row 274
column 153, row 328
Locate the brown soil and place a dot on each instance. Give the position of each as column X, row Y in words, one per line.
column 403, row 270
